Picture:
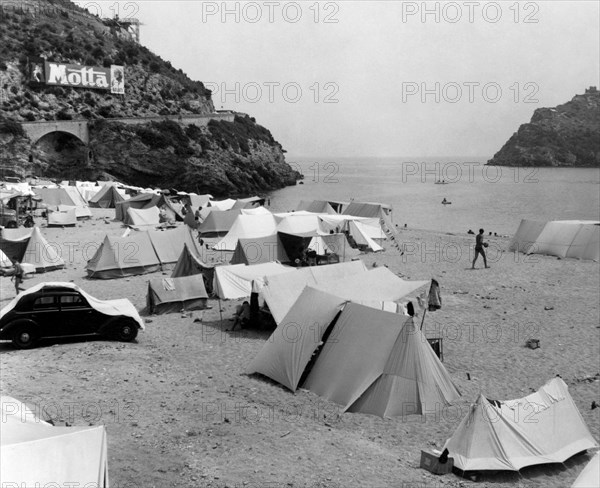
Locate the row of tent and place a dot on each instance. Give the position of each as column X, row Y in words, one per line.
column 376, row 362
column 140, row 252
column 260, row 225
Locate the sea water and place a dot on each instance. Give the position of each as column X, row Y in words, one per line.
column 494, row 198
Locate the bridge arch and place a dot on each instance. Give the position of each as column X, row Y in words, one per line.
column 77, row 128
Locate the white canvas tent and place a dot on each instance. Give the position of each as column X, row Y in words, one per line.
column 226, row 204
column 371, row 362
column 563, row 238
column 493, row 437
column 246, row 227
column 68, row 196
column 5, row 262
column 167, row 295
column 235, row 281
column 35, row 453
column 373, row 288
column 142, row 217
column 44, row 256
column 590, row 476
column 280, row 292
column 62, row 218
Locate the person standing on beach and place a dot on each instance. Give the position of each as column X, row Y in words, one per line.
column 18, row 276
column 479, row 249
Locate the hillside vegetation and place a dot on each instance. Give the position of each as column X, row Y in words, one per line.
column 223, row 157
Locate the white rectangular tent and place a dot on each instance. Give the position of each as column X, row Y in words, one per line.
column 235, row 281
column 35, row 453
column 563, row 238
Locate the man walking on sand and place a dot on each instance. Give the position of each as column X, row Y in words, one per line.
column 479, row 245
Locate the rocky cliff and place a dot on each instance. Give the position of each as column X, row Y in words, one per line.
column 237, row 157
column 567, row 135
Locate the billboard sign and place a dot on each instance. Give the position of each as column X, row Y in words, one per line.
column 78, row 76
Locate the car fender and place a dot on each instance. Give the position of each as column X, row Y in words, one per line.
column 11, row 326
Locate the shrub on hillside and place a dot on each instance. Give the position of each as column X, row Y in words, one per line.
column 12, row 127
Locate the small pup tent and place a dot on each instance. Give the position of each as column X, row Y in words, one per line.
column 107, row 197
column 62, row 218
column 35, row 453
column 563, row 238
column 544, row 427
column 190, row 264
column 371, row 361
column 166, row 295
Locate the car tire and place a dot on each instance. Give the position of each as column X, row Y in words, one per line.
column 25, row 337
column 126, row 330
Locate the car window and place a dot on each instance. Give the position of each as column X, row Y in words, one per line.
column 43, row 303
column 72, row 301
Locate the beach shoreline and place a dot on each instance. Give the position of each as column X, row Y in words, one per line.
column 180, row 410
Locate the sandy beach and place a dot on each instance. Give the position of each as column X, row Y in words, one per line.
column 181, row 412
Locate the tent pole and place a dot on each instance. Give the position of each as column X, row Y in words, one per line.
column 220, row 314
column 423, row 319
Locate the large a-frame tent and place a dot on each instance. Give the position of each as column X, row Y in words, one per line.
column 107, row 197
column 123, row 256
column 544, row 427
column 413, row 379
column 371, row 361
column 35, row 453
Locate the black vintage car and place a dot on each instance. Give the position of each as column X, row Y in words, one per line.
column 61, row 311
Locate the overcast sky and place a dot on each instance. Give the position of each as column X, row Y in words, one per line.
column 361, row 78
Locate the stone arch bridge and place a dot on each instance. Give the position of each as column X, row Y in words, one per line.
column 80, row 129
